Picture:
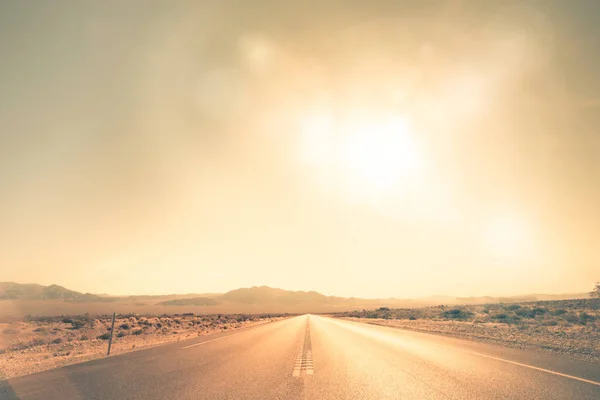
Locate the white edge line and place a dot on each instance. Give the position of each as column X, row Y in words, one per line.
column 223, row 337
column 213, row 340
column 502, row 359
column 532, row 367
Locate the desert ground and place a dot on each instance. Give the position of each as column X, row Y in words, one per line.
column 32, row 344
column 570, row 327
column 35, row 344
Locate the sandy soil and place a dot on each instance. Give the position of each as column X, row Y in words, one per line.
column 37, row 345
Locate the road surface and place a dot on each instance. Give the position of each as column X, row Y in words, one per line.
column 312, row 357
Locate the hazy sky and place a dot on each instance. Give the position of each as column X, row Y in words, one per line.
column 369, row 149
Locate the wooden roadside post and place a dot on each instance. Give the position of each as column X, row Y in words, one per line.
column 112, row 329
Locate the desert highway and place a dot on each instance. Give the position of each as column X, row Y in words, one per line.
column 313, row 357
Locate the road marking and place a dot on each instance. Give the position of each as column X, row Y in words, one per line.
column 308, row 367
column 298, row 364
column 213, row 340
column 490, row 357
column 304, row 360
column 528, row 366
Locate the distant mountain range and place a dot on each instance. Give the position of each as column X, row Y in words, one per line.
column 32, row 291
column 255, row 298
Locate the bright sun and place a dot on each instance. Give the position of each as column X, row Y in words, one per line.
column 373, row 153
column 380, row 152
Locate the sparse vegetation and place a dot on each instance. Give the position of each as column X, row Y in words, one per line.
column 595, row 293
column 37, row 341
column 457, row 313
column 42, row 342
column 77, row 324
column 572, row 326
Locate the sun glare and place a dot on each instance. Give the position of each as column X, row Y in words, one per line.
column 379, row 152
column 508, row 238
column 373, row 153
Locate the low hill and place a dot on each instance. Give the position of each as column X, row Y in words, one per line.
column 266, row 294
column 32, row 291
column 194, row 301
column 19, row 299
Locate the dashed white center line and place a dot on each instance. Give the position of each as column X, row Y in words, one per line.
column 309, row 363
column 304, row 360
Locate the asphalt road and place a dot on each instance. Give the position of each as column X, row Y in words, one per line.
column 311, row 357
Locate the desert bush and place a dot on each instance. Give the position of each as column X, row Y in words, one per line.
column 571, row 317
column 19, row 346
column 539, row 310
column 138, row 332
column 37, row 342
column 525, row 313
column 40, row 329
column 549, row 322
column 595, row 293
column 584, row 318
column 43, row 319
column 121, row 334
column 412, row 318
column 505, row 318
column 83, row 337
column 513, row 307
column 77, row 324
column 104, row 336
column 124, row 326
column 57, row 341
column 457, row 313
column 67, row 320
